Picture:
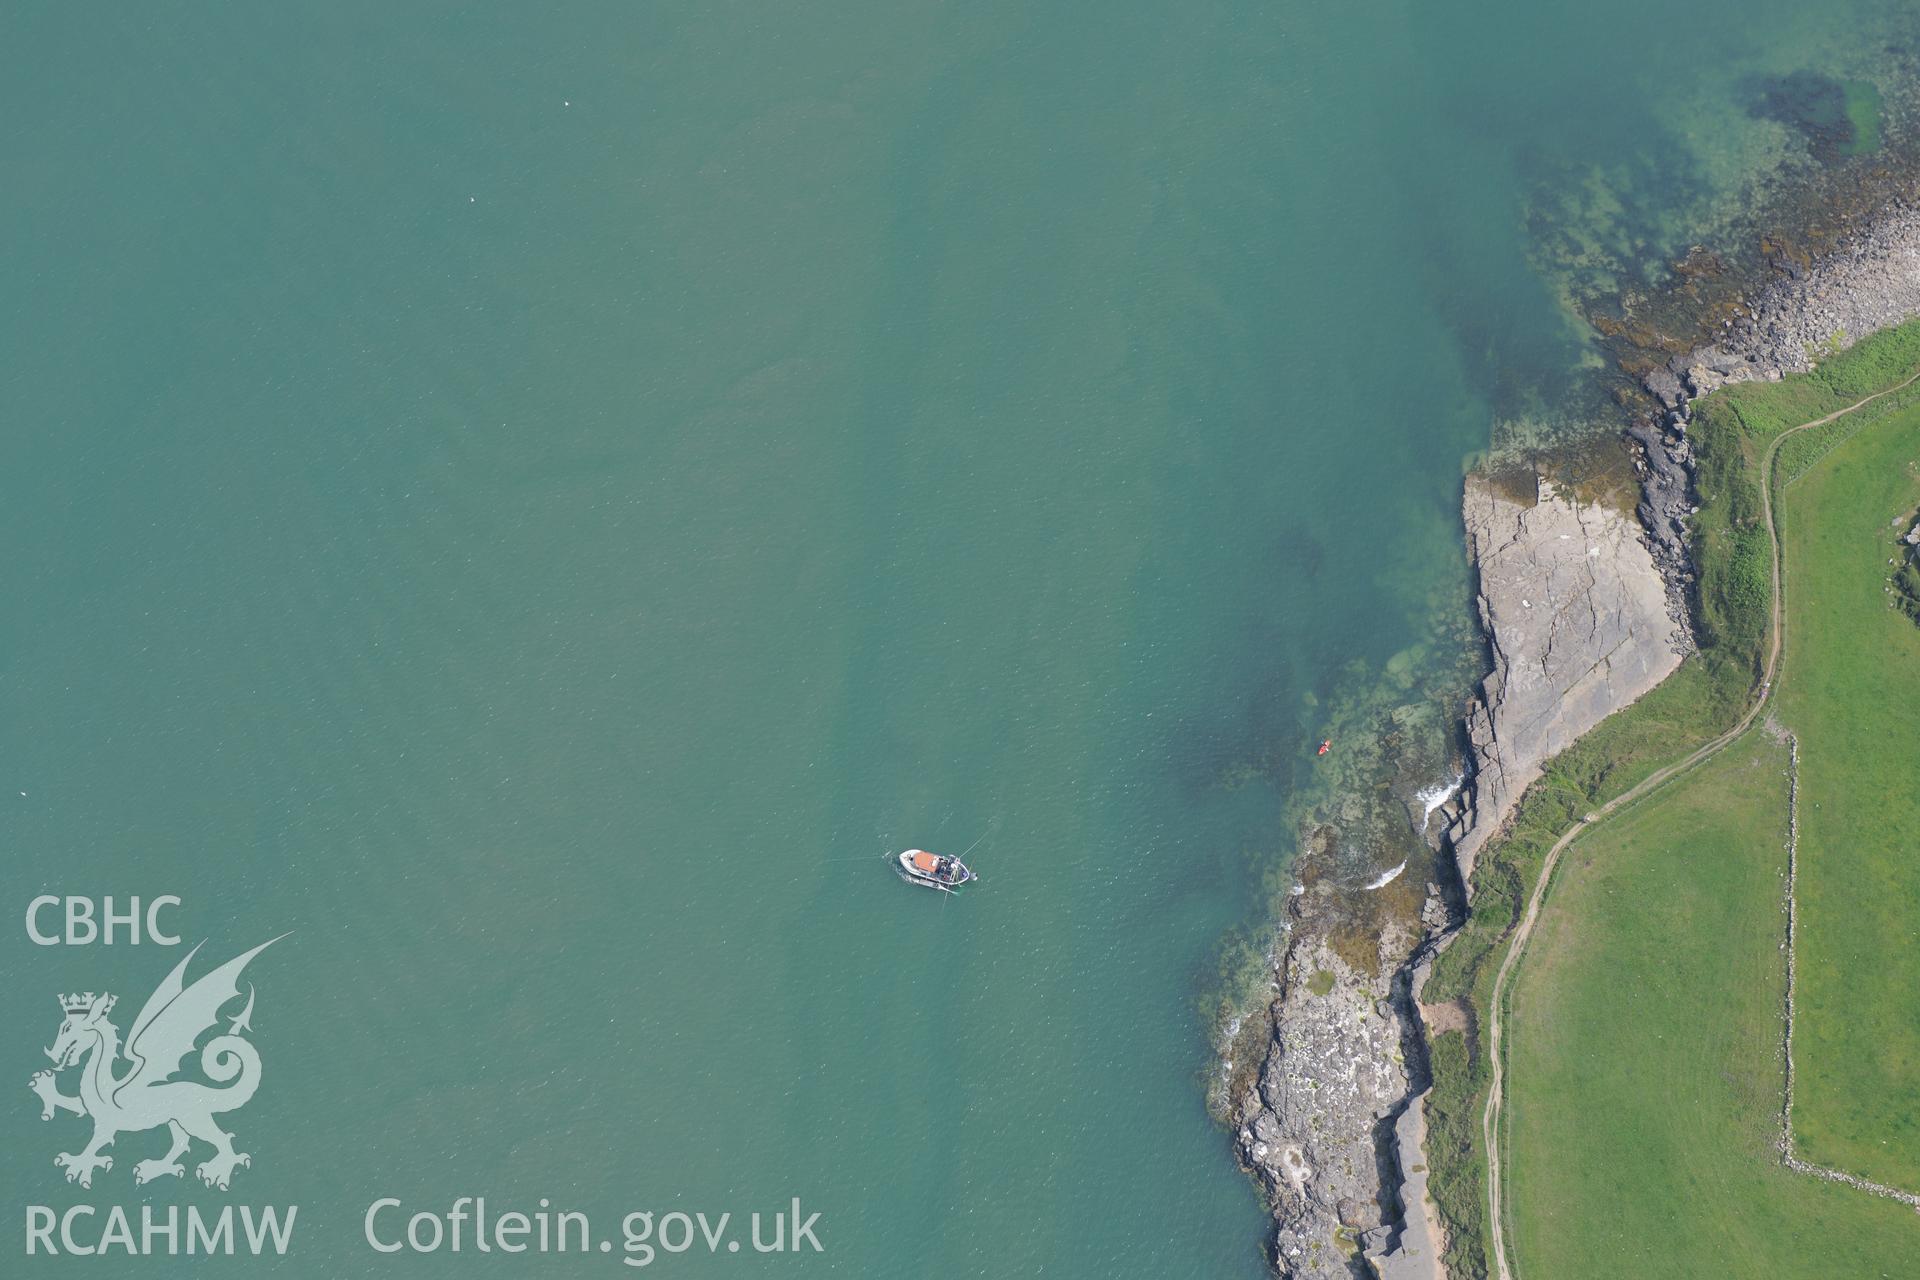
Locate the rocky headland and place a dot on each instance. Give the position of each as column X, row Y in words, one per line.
column 1585, row 605
column 1584, row 601
column 1575, row 613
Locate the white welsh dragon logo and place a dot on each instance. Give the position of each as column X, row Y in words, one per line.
column 146, row 1096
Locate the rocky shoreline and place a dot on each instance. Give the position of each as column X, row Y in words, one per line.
column 1584, row 608
column 1868, row 281
column 1575, row 613
column 1343, row 1064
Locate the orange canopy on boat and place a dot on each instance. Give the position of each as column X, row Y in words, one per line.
column 925, row 862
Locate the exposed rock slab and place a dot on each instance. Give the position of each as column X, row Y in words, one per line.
column 1575, row 613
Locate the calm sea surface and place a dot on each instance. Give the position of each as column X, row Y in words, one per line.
column 539, row 501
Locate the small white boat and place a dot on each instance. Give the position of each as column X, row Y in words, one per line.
column 934, row 870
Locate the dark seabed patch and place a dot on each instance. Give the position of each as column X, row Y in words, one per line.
column 1837, row 118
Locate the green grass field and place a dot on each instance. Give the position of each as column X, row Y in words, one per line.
column 1731, row 429
column 1645, row 1072
column 1851, row 690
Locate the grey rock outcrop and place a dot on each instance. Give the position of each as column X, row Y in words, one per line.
column 1335, row 1072
column 1663, row 461
column 1576, row 616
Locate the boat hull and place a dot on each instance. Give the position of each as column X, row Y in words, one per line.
column 931, row 871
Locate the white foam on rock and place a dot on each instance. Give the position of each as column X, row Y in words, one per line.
column 1386, row 878
column 1431, row 798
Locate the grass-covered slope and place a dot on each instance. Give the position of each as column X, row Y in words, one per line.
column 1706, row 696
column 1851, row 690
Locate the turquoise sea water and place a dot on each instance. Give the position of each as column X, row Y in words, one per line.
column 538, row 502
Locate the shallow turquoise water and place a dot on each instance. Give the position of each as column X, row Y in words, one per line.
column 539, row 503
